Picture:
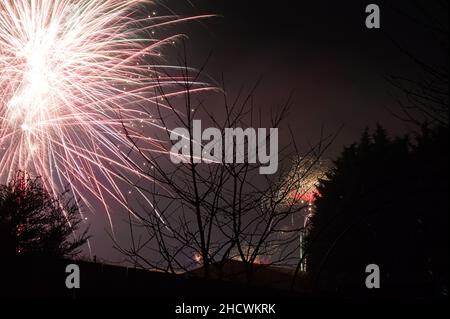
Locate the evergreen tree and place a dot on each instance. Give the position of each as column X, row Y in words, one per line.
column 385, row 203
column 35, row 223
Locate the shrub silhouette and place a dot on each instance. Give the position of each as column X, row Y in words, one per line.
column 385, row 202
column 35, row 223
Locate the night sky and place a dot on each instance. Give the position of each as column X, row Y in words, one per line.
column 319, row 50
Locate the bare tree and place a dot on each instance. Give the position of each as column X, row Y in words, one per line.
column 206, row 213
column 425, row 98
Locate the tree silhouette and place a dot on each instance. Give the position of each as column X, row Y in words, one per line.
column 385, row 202
column 204, row 215
column 424, row 97
column 35, row 223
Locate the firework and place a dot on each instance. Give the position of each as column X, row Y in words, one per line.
column 73, row 75
column 307, row 175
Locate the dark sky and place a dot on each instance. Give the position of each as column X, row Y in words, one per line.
column 319, row 50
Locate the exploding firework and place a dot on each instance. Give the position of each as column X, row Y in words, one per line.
column 307, row 175
column 73, row 75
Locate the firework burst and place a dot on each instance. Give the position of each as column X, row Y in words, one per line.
column 308, row 173
column 72, row 74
